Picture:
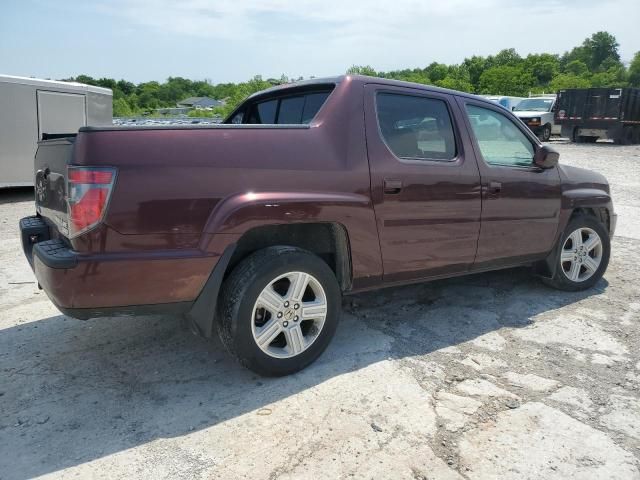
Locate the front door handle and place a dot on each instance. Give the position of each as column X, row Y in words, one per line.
column 392, row 186
column 494, row 189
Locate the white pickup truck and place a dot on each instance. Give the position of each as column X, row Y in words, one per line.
column 537, row 113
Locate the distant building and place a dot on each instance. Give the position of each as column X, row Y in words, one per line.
column 200, row 103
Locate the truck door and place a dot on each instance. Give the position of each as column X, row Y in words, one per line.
column 520, row 202
column 424, row 181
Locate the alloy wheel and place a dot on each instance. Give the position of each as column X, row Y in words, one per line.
column 581, row 254
column 289, row 314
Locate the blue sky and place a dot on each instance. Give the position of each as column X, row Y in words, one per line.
column 232, row 40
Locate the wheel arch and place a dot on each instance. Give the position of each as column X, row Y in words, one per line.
column 328, row 240
column 601, row 213
column 547, row 267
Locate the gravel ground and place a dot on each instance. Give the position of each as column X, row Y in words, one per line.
column 483, row 377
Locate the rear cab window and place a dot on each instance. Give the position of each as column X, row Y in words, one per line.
column 292, row 107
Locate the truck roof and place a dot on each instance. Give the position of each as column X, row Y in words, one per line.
column 363, row 79
column 55, row 84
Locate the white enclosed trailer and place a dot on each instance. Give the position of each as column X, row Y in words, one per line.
column 31, row 108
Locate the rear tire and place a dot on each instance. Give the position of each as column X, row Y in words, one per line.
column 575, row 138
column 582, row 255
column 279, row 310
column 626, row 137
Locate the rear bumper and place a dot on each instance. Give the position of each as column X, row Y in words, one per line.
column 107, row 284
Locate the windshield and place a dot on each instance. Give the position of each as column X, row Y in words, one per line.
column 535, row 105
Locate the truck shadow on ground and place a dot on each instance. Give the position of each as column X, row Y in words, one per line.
column 73, row 391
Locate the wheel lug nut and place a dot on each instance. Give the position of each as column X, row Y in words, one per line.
column 296, row 306
column 286, row 304
column 285, row 324
column 279, row 314
column 295, row 319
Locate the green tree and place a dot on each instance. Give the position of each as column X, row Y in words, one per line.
column 106, row 83
column 634, row 70
column 149, row 95
column 362, row 70
column 416, row 76
column 125, row 87
column 506, row 80
column 475, row 66
column 577, row 68
column 507, row 57
column 602, row 46
column 437, row 71
column 121, row 108
column 85, row 79
column 614, row 77
column 457, row 78
column 595, row 51
column 543, row 67
column 456, row 83
column 568, row 80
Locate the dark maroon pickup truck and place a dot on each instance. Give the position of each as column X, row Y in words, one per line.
column 256, row 227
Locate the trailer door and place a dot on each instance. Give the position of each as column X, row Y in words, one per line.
column 60, row 112
column 614, row 104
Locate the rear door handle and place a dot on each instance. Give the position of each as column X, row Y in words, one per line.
column 392, row 186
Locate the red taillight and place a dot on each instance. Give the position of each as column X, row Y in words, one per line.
column 88, row 210
column 92, row 177
column 89, row 191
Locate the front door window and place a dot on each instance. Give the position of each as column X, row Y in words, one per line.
column 500, row 141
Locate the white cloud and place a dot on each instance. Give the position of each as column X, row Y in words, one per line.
column 239, row 38
column 233, row 19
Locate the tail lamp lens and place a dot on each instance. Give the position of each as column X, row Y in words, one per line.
column 90, row 176
column 89, row 192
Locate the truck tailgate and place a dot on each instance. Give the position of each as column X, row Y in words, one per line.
column 52, row 158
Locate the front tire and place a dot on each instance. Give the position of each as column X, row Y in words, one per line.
column 582, row 255
column 279, row 310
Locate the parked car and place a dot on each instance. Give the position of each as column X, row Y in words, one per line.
column 257, row 227
column 510, row 103
column 32, row 109
column 537, row 112
column 588, row 114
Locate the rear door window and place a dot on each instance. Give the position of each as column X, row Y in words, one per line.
column 415, row 127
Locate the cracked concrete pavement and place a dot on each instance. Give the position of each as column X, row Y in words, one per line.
column 481, row 377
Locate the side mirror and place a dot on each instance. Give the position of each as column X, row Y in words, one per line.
column 513, row 108
column 546, row 157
